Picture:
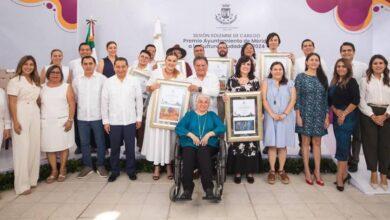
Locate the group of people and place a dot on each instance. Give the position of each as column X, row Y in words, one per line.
column 101, row 103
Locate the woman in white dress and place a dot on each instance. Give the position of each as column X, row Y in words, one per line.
column 159, row 143
column 57, row 112
column 5, row 120
column 56, row 57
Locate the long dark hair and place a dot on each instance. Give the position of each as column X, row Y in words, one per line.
column 319, row 72
column 346, row 78
column 243, row 49
column 240, row 62
column 370, row 71
column 34, row 75
column 284, row 80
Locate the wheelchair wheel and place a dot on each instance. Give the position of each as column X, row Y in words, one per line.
column 174, row 193
column 221, row 170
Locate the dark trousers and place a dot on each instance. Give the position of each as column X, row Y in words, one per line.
column 77, row 134
column 355, row 144
column 76, row 130
column 376, row 142
column 140, row 134
column 201, row 158
column 118, row 135
column 84, row 129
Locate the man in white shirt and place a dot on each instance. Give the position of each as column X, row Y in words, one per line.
column 347, row 51
column 77, row 70
column 204, row 83
column 308, row 47
column 122, row 115
column 75, row 65
column 87, row 89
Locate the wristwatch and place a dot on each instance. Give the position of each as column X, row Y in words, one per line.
column 200, row 89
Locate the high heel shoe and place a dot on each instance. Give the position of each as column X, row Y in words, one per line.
column 319, row 181
column 340, row 188
column 309, row 181
column 347, row 178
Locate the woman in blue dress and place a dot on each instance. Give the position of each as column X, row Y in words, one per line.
column 279, row 98
column 312, row 113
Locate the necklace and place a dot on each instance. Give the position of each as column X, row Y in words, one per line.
column 276, row 94
column 201, row 131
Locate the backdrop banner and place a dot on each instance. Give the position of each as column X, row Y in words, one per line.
column 37, row 26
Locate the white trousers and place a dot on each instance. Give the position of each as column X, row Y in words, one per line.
column 26, row 147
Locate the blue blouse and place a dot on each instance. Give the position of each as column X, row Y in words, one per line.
column 199, row 125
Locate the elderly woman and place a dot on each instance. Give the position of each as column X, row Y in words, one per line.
column 57, row 112
column 198, row 132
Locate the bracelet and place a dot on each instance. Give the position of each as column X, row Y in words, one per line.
column 70, row 120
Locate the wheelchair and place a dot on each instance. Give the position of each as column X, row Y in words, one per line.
column 219, row 171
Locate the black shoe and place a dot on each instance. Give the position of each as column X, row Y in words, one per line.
column 112, row 178
column 237, row 179
column 347, row 178
column 250, row 179
column 353, row 168
column 132, row 176
column 340, row 188
column 265, row 150
column 185, row 196
column 209, row 195
column 77, row 151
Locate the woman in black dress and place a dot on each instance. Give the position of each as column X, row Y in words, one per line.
column 243, row 157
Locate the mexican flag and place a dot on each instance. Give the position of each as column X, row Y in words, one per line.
column 90, row 39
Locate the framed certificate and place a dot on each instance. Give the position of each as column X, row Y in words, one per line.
column 244, row 116
column 181, row 66
column 170, row 104
column 223, row 68
column 265, row 61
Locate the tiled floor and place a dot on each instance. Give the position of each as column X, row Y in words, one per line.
column 94, row 198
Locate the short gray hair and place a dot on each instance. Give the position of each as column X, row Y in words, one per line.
column 200, row 95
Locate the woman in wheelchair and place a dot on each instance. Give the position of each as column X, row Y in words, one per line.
column 198, row 133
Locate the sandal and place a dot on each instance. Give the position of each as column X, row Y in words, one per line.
column 156, row 177
column 52, row 178
column 62, row 176
column 170, row 176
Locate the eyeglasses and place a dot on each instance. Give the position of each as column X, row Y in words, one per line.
column 58, row 72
